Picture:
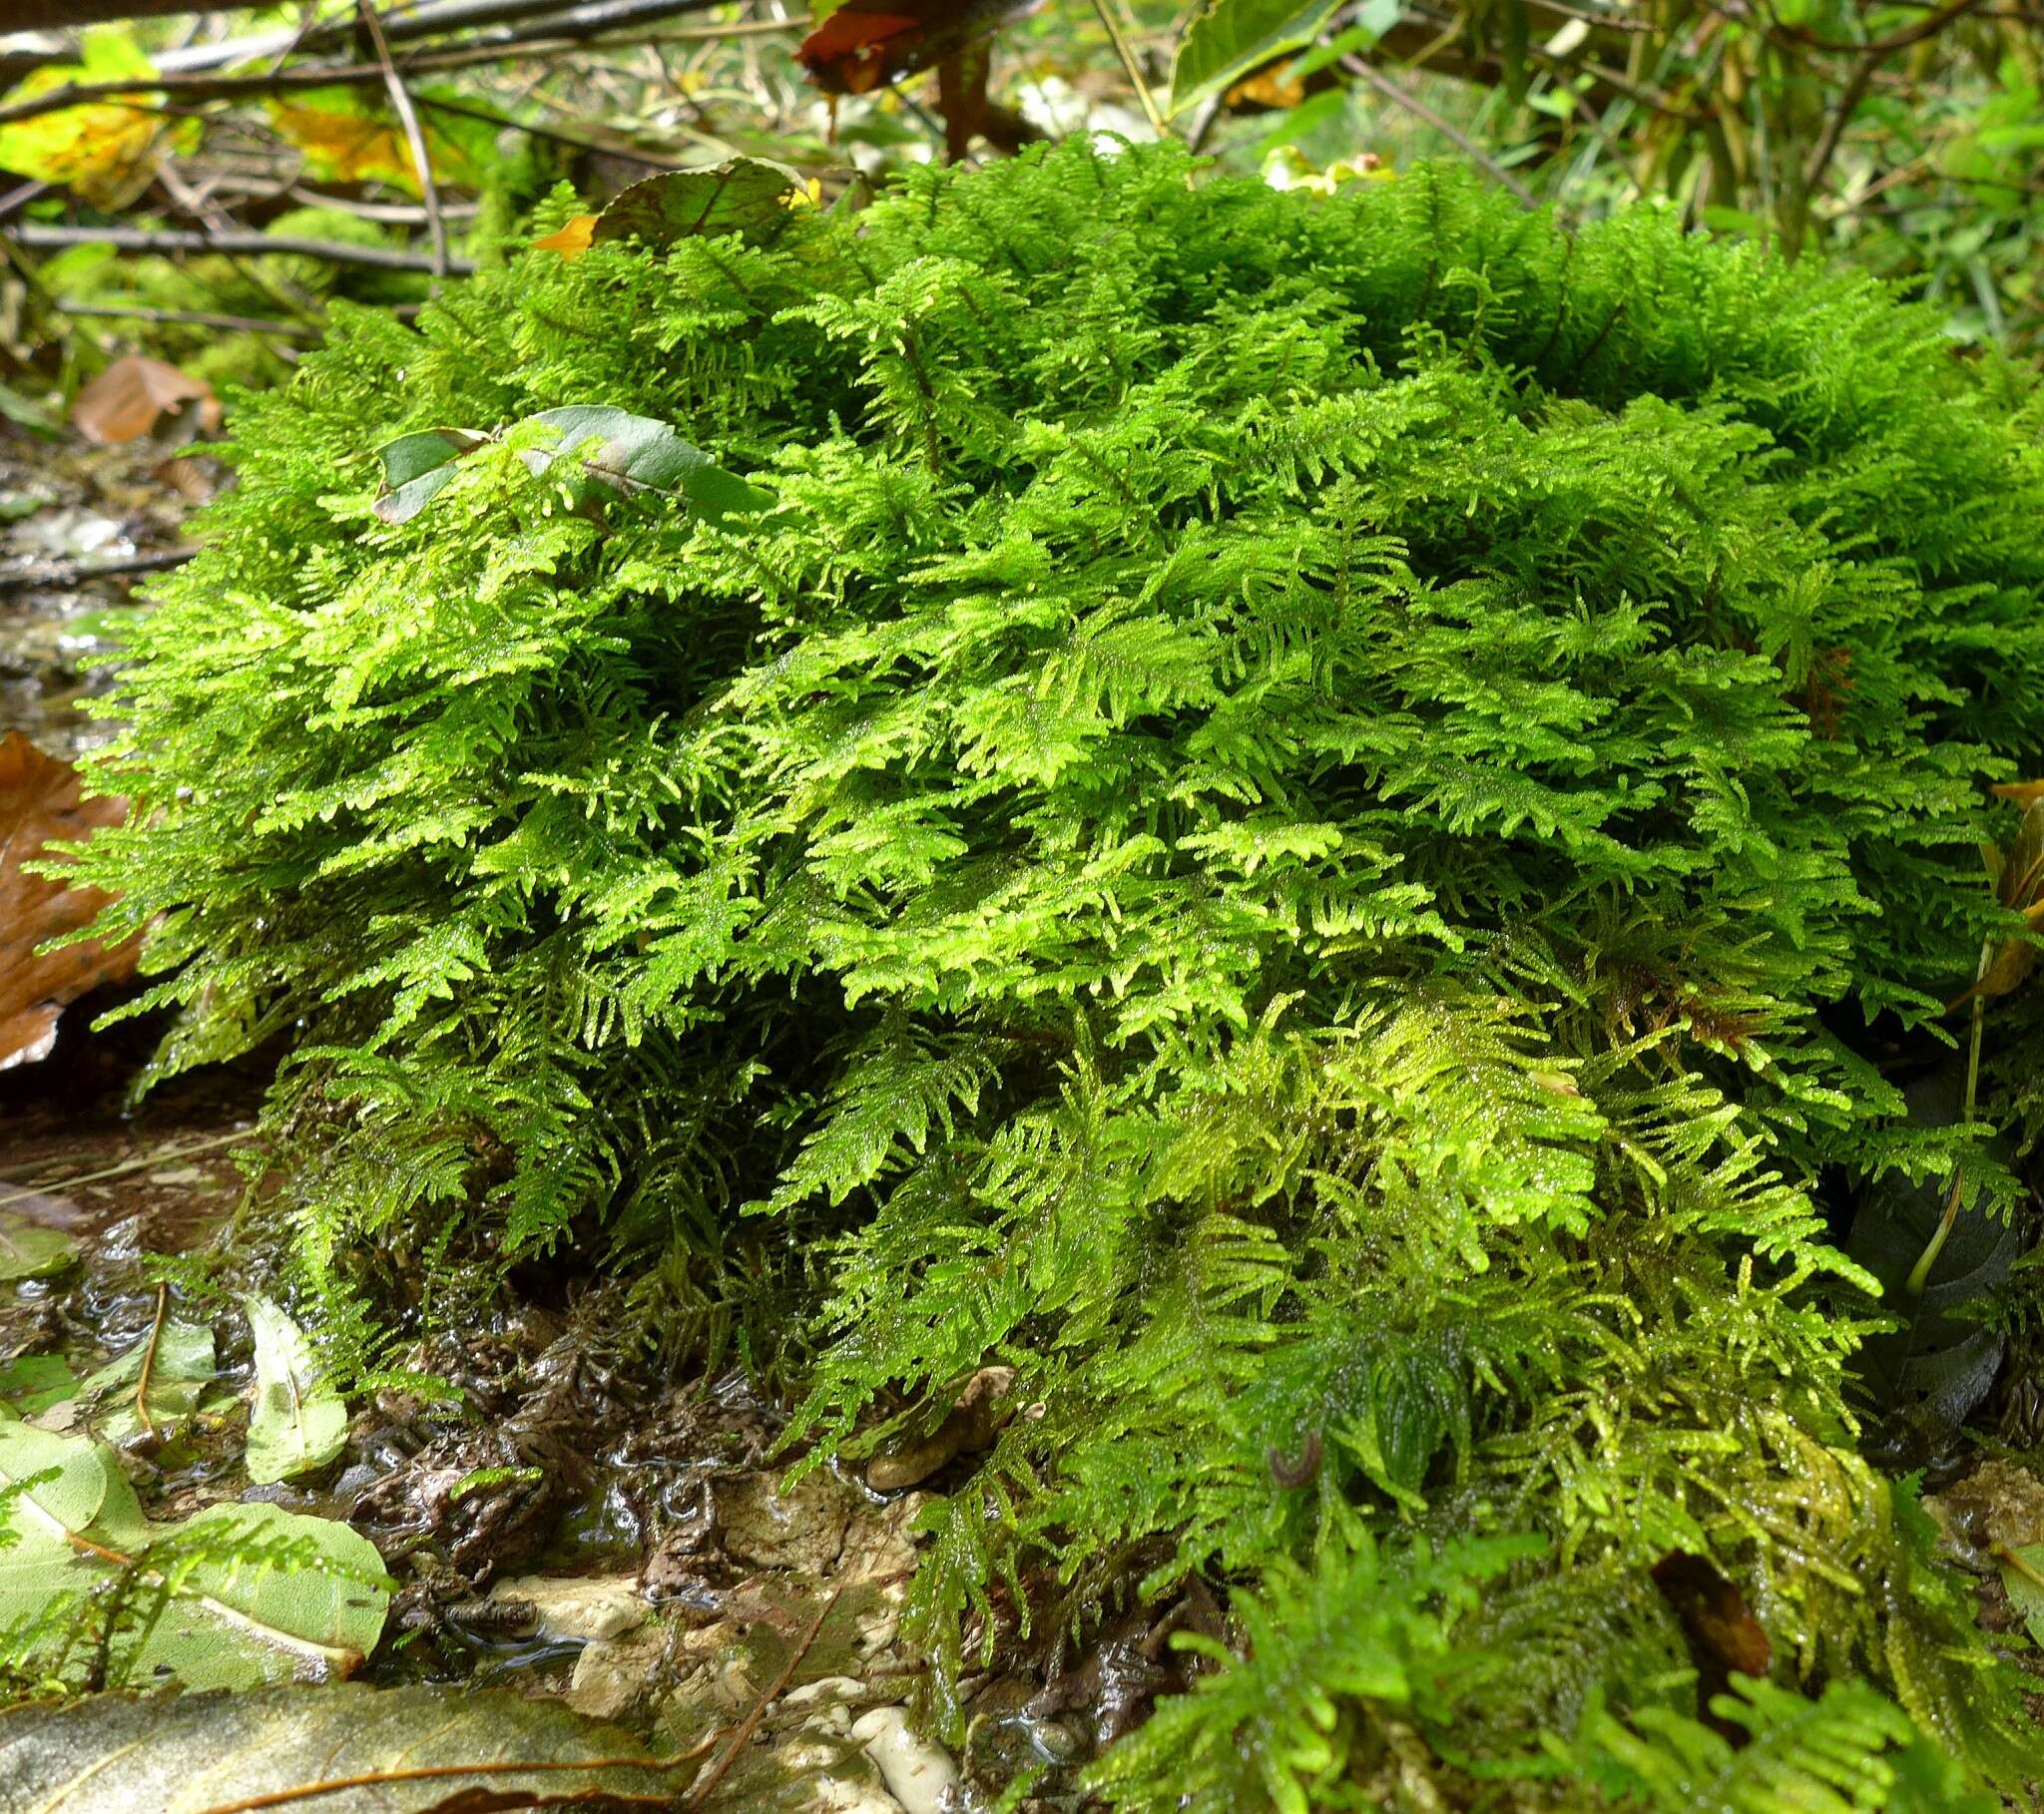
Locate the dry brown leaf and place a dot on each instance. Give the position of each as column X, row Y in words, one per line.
column 129, row 398
column 2024, row 794
column 39, row 801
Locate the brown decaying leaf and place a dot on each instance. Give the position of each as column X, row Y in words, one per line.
column 129, row 398
column 1723, row 1634
column 2019, row 886
column 39, row 801
column 866, row 44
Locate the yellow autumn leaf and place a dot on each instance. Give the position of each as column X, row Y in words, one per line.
column 347, row 140
column 103, row 151
column 572, row 241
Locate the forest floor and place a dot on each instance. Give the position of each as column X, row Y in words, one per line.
column 630, row 1549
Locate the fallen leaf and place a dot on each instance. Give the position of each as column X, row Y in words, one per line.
column 181, row 1366
column 32, row 1383
column 259, row 1594
column 299, row 1421
column 374, row 1750
column 238, row 1596
column 30, row 1250
column 127, row 399
column 631, row 454
column 866, row 44
column 39, row 801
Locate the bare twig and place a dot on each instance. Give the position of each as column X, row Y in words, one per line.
column 1835, row 122
column 155, row 1333
column 205, row 85
column 191, row 317
column 1132, row 68
column 1419, row 110
column 66, row 574
column 415, row 139
column 750, row 1724
column 174, row 240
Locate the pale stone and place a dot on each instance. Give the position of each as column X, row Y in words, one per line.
column 916, row 1772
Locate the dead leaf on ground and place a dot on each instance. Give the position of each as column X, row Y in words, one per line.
column 344, row 1749
column 39, row 801
column 127, row 399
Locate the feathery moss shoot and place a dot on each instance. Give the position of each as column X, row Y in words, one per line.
column 1317, row 822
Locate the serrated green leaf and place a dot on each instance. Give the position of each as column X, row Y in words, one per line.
column 300, row 1423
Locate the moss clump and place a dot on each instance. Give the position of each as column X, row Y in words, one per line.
column 1310, row 822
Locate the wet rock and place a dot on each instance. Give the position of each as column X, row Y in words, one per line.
column 584, row 1606
column 1998, row 1505
column 972, row 1422
column 802, row 1528
column 613, row 1675
column 918, row 1774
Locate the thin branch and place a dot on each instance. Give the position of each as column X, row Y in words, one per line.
column 62, row 575
column 1419, row 110
column 204, row 85
column 189, row 317
column 750, row 1724
column 175, row 239
column 1133, row 69
column 142, row 1378
column 415, row 139
column 1835, row 122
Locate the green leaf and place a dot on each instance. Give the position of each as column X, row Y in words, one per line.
column 34, row 1382
column 58, row 1485
column 116, row 1754
column 299, row 1421
column 59, row 1495
column 415, row 466
column 638, row 453
column 633, row 453
column 180, row 1370
column 256, row 1593
column 1233, row 37
column 2022, row 1574
column 29, row 1251
column 744, row 196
